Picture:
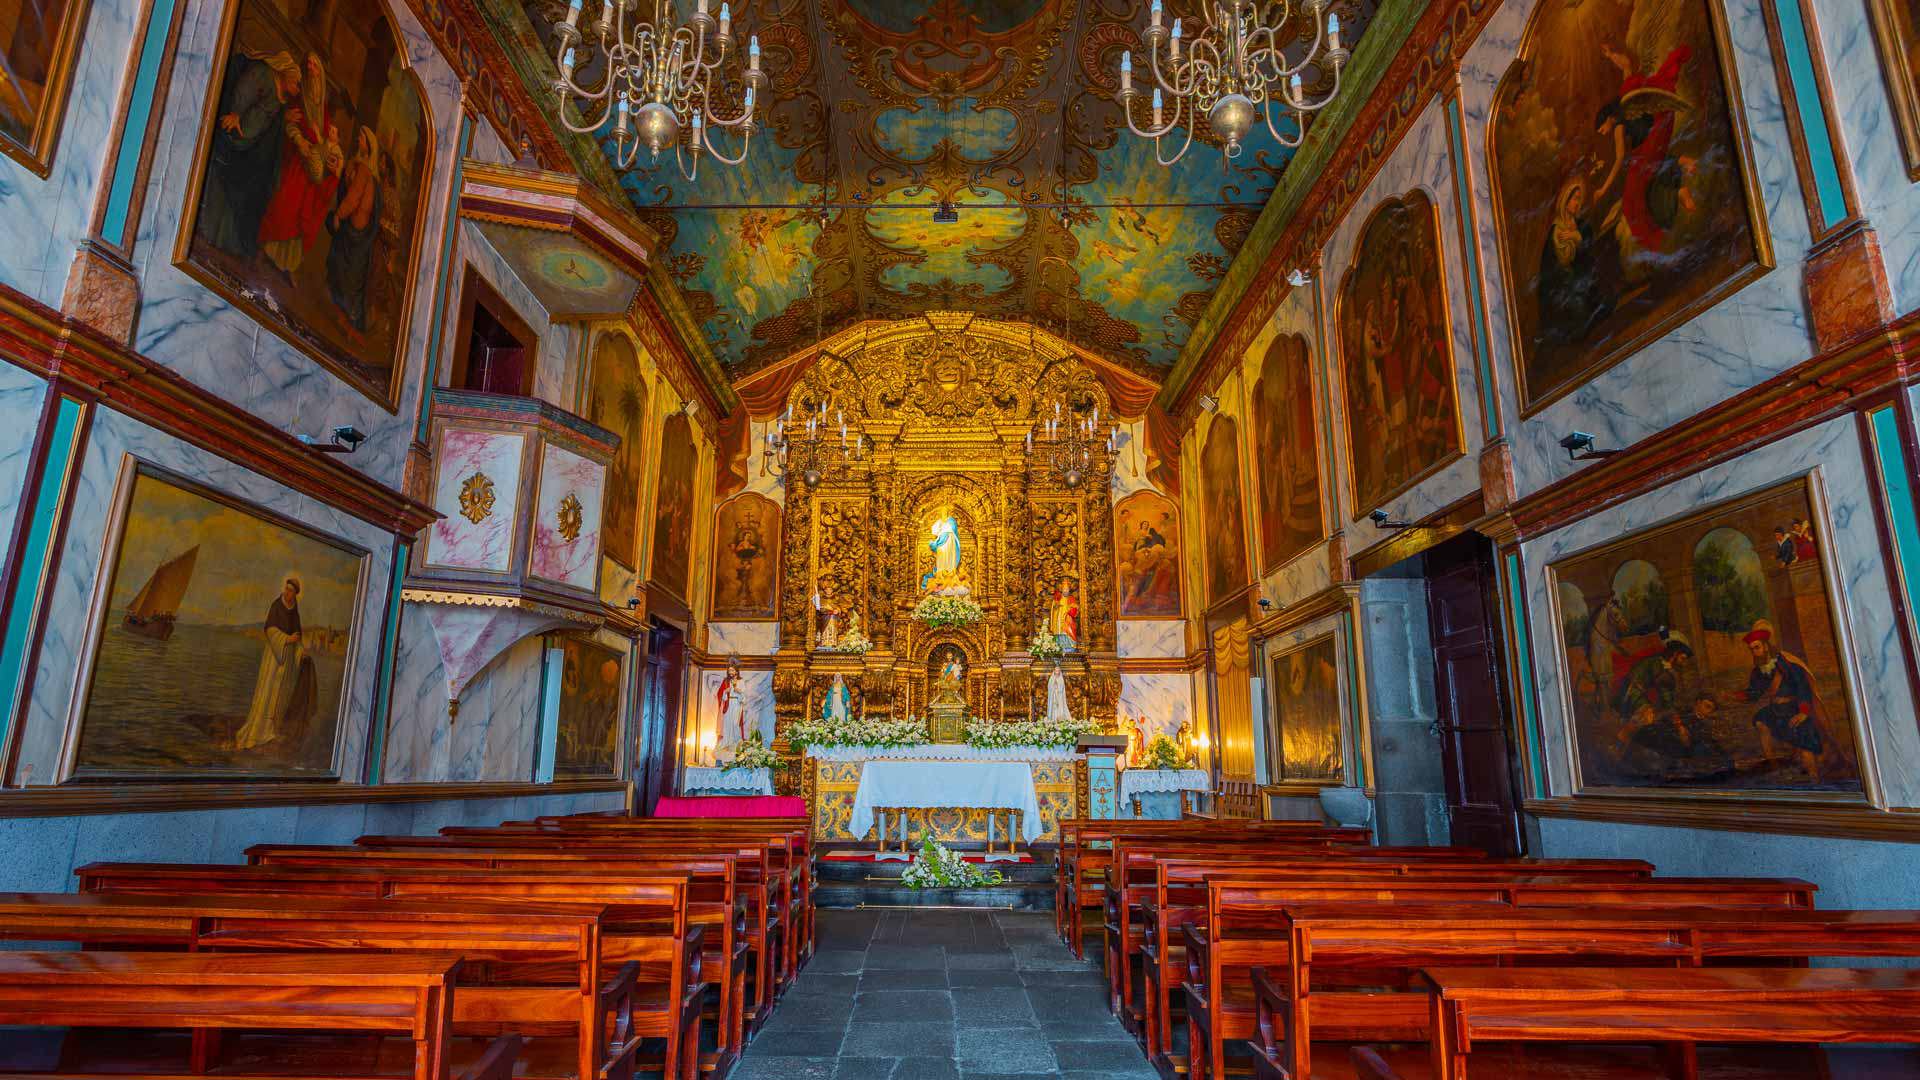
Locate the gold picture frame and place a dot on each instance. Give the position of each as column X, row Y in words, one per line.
column 1278, row 678
column 1897, row 40
column 1409, row 202
column 329, row 354
column 1666, row 317
column 1808, row 485
column 100, row 608
column 34, row 147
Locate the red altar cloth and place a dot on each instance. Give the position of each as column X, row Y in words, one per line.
column 730, row 806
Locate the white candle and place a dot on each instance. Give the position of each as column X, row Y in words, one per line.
column 726, row 20
column 1174, row 48
column 1156, row 106
column 753, row 49
column 1333, row 31
column 1126, row 72
column 1154, row 14
column 573, row 13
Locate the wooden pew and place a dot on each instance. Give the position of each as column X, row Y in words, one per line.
column 1080, row 867
column 1291, row 977
column 1756, row 1005
column 645, row 917
column 727, row 897
column 409, row 995
column 1185, row 893
column 565, row 939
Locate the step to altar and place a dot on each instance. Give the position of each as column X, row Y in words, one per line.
column 852, row 884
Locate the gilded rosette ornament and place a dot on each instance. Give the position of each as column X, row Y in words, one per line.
column 476, row 498
column 570, row 518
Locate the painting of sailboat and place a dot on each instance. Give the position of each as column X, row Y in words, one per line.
column 223, row 642
column 157, row 604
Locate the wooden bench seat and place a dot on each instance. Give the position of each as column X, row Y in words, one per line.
column 642, row 921
column 410, row 996
column 1759, row 1005
column 1305, row 961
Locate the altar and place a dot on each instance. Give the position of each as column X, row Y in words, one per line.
column 953, row 784
column 933, row 786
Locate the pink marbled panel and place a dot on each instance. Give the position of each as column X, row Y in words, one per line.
column 487, row 544
column 555, row 558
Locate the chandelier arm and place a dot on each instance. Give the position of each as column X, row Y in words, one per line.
column 1290, row 142
column 1160, row 79
column 746, row 140
column 1182, row 152
column 1149, row 133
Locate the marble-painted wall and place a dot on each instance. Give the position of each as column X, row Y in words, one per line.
column 115, row 440
column 22, row 396
column 1832, row 452
column 1410, row 805
column 42, row 853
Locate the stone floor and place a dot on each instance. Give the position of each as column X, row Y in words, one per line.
column 927, row 994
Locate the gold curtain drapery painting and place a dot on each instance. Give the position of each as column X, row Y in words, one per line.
column 1226, row 531
column 1309, row 717
column 673, row 506
column 617, row 401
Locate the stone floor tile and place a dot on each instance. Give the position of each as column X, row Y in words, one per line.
column 897, row 957
column 767, row 1067
column 959, row 978
column 1003, row 1050
column 881, row 979
column 902, row 1007
column 1100, row 1057
column 797, row 1043
column 865, row 1068
column 925, row 1068
column 924, row 1038
column 992, row 1007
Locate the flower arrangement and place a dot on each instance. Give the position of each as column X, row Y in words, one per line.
column 853, row 641
column 939, row 611
column 938, row 868
column 1044, row 646
column 999, row 735
column 1164, row 753
column 753, row 754
column 857, row 732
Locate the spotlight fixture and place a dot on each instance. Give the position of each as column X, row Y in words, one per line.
column 1382, row 520
column 633, row 603
column 1579, row 447
column 1264, row 603
column 1209, row 403
column 1298, row 278
column 344, row 439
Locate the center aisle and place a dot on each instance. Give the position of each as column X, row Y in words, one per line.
column 943, row 994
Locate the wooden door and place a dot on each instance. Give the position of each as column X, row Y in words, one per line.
column 660, row 716
column 1470, row 695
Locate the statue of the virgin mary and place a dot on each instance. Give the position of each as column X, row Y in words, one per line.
column 949, row 575
column 1057, row 711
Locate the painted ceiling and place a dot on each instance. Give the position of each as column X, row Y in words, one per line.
column 1003, row 108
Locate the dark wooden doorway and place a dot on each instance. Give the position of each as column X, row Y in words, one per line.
column 1470, row 695
column 659, row 739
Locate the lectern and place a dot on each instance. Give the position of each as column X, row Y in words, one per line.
column 1103, row 774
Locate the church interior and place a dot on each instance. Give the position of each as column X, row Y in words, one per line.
column 960, row 539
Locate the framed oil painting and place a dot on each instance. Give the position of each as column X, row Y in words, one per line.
column 1623, row 192
column 673, row 506
column 1146, row 556
column 1896, row 29
column 1396, row 354
column 1706, row 655
column 309, row 183
column 1286, row 453
column 617, row 401
column 588, row 734
column 1226, row 532
column 746, row 558
column 1309, row 720
column 39, row 44
column 222, row 641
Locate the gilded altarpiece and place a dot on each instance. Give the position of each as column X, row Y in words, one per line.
column 944, row 414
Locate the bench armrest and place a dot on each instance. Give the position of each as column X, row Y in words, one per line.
column 1273, row 1015
column 497, row 1063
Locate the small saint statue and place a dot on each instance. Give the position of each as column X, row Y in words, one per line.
column 732, row 699
column 949, row 575
column 948, row 689
column 1057, row 711
column 1063, row 616
column 828, row 617
column 854, row 629
column 835, row 706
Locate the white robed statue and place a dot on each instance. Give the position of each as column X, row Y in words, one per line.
column 1057, row 711
column 732, row 699
column 949, row 575
column 834, row 708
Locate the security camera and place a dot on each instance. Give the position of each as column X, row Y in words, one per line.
column 1382, row 520
column 1265, row 603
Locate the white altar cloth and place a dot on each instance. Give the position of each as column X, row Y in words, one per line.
column 943, row 752
column 1141, row 781
column 926, row 785
column 709, row 778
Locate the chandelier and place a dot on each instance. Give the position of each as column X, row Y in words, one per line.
column 808, row 449
column 1232, row 70
column 1068, row 448
column 659, row 81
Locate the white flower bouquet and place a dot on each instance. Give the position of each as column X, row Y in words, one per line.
column 938, row 868
column 851, row 642
column 857, row 732
column 753, row 754
column 940, row 611
column 1002, row 734
column 1044, row 646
